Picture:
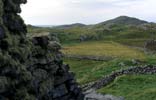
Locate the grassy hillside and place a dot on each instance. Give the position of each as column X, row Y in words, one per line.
column 133, row 87
column 120, row 29
column 76, row 25
column 124, row 20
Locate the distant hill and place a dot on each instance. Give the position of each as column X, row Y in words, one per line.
column 121, row 20
column 123, row 29
column 70, row 26
column 124, row 20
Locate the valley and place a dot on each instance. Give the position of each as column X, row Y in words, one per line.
column 95, row 51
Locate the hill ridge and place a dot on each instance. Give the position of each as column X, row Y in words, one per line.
column 124, row 20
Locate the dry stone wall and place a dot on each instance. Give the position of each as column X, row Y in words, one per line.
column 149, row 69
column 31, row 69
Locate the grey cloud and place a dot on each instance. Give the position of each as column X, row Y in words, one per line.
column 87, row 11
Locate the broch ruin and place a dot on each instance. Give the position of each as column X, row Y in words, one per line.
column 31, row 69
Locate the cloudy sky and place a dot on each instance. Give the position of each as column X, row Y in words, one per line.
column 57, row 12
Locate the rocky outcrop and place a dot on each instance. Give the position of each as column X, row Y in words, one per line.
column 31, row 69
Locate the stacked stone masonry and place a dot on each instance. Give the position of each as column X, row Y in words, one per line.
column 31, row 69
column 149, row 69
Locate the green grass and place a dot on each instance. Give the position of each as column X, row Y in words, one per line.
column 83, row 69
column 133, row 87
column 151, row 59
column 132, row 42
column 88, row 70
column 106, row 49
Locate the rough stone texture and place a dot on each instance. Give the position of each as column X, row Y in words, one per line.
column 149, row 69
column 31, row 69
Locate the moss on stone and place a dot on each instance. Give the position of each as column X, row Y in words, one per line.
column 1, row 11
column 29, row 68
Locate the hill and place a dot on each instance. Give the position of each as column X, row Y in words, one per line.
column 70, row 26
column 124, row 20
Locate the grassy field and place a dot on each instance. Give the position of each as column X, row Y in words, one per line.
column 106, row 49
column 89, row 70
column 132, row 42
column 133, row 87
column 84, row 69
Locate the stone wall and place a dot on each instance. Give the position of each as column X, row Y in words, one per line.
column 110, row 78
column 31, row 69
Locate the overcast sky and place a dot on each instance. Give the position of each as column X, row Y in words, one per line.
column 57, row 12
